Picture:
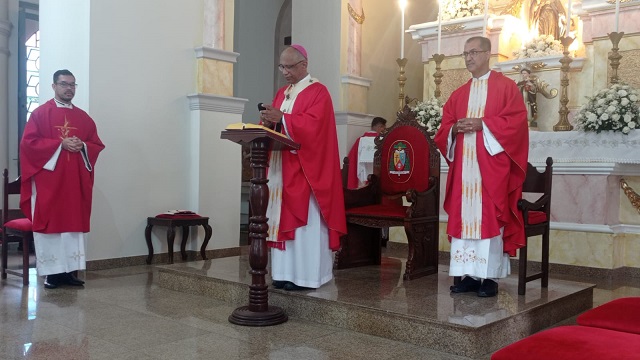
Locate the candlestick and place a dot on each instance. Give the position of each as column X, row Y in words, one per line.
column 617, row 13
column 564, row 124
column 486, row 17
column 439, row 24
column 402, row 79
column 615, row 55
column 437, row 76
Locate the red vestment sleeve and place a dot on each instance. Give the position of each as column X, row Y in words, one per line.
column 315, row 167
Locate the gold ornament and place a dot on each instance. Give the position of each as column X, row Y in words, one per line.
column 357, row 18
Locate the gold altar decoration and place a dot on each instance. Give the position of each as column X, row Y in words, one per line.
column 438, row 74
column 451, row 28
column 563, row 124
column 633, row 196
column 402, row 79
column 615, row 56
column 354, row 15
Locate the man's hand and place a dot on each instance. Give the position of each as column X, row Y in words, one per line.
column 270, row 115
column 72, row 144
column 467, row 125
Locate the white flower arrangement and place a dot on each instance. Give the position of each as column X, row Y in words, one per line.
column 429, row 114
column 455, row 9
column 543, row 45
column 614, row 109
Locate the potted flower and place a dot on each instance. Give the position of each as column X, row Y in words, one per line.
column 540, row 46
column 456, row 9
column 429, row 114
column 612, row 109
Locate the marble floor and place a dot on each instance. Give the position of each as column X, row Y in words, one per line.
column 123, row 314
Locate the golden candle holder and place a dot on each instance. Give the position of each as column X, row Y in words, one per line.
column 615, row 56
column 438, row 74
column 563, row 124
column 401, row 81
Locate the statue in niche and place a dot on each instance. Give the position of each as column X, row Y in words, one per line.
column 530, row 85
column 544, row 15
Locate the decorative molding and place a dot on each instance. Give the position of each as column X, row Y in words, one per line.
column 207, row 52
column 353, row 118
column 588, row 228
column 355, row 80
column 545, row 62
column 452, row 28
column 579, row 168
column 354, row 15
column 5, row 28
column 217, row 103
column 633, row 196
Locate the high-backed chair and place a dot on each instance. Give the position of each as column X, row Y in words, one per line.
column 406, row 168
column 536, row 216
column 15, row 227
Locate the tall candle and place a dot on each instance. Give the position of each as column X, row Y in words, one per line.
column 486, row 17
column 617, row 13
column 439, row 25
column 568, row 18
column 403, row 3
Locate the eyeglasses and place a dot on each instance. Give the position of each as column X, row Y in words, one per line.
column 288, row 67
column 66, row 85
column 472, row 53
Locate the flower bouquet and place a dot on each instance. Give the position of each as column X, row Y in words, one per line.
column 614, row 109
column 540, row 46
column 455, row 9
column 429, row 114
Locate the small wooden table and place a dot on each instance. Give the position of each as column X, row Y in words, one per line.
column 171, row 223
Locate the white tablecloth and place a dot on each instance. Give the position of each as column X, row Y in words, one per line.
column 584, row 147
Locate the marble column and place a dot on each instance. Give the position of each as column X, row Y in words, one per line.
column 5, row 32
column 216, row 164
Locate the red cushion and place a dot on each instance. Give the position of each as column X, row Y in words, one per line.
column 178, row 216
column 537, row 217
column 22, row 224
column 380, row 210
column 573, row 343
column 621, row 315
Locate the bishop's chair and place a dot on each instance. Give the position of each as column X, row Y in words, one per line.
column 404, row 190
column 15, row 227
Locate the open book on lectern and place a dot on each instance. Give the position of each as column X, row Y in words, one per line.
column 249, row 126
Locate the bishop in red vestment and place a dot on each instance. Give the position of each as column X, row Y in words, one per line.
column 484, row 138
column 311, row 212
column 58, row 152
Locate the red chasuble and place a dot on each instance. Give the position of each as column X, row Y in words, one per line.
column 503, row 174
column 352, row 179
column 63, row 201
column 314, row 167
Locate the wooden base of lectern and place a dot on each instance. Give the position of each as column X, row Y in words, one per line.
column 243, row 316
column 258, row 312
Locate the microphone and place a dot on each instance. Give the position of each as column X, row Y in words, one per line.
column 261, row 107
column 277, row 127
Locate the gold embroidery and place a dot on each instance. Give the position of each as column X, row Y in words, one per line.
column 357, row 18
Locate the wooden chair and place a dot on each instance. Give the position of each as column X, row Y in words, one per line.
column 406, row 166
column 536, row 216
column 15, row 227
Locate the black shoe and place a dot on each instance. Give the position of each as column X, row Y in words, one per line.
column 489, row 288
column 50, row 282
column 289, row 286
column 73, row 280
column 468, row 284
column 69, row 279
column 279, row 284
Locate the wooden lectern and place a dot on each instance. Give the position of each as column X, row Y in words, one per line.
column 258, row 312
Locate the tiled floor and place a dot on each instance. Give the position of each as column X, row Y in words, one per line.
column 123, row 314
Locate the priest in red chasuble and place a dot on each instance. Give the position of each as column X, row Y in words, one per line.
column 485, row 140
column 306, row 203
column 361, row 155
column 58, row 152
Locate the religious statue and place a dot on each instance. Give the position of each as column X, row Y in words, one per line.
column 530, row 85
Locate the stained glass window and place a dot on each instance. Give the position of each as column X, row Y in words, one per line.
column 33, row 72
